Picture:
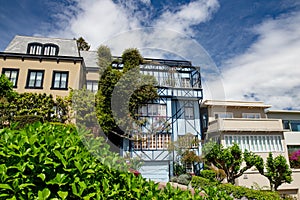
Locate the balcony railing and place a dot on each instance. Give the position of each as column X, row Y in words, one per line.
column 243, row 124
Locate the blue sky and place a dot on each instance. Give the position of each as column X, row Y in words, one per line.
column 248, row 49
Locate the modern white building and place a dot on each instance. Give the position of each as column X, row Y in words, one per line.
column 247, row 124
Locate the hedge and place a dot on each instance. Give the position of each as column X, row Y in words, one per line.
column 52, row 161
column 235, row 191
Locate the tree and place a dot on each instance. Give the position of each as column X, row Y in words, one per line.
column 104, row 57
column 82, row 45
column 230, row 160
column 277, row 171
column 121, row 93
column 83, row 106
column 6, row 87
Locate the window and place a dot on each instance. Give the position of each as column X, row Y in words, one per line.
column 12, row 75
column 223, row 115
column 153, row 110
column 185, row 82
column 50, row 49
column 286, row 124
column 92, row 86
column 35, row 79
column 189, row 113
column 60, row 80
column 256, row 143
column 152, row 141
column 295, row 125
column 35, row 48
column 251, row 115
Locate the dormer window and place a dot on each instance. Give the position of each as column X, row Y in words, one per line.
column 35, row 48
column 50, row 49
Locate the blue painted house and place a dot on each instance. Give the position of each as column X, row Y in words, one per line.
column 174, row 114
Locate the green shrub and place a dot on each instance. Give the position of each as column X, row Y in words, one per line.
column 23, row 120
column 184, row 179
column 178, row 169
column 239, row 192
column 208, row 174
column 200, row 182
column 235, row 191
column 174, row 179
column 51, row 161
column 213, row 193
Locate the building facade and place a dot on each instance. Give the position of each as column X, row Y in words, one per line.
column 291, row 131
column 43, row 65
column 247, row 124
column 177, row 111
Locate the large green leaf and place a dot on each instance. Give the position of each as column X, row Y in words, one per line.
column 5, row 186
column 62, row 194
column 44, row 194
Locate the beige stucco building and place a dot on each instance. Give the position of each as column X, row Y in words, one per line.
column 43, row 65
column 247, row 124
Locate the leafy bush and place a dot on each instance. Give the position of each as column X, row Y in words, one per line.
column 23, row 120
column 178, row 169
column 54, row 161
column 213, row 193
column 174, row 179
column 200, row 182
column 208, row 174
column 235, row 191
column 239, row 192
column 184, row 179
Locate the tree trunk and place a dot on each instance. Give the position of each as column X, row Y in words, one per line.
column 231, row 179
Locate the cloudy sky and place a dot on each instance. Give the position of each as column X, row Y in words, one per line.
column 247, row 49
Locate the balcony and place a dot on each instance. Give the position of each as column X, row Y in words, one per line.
column 245, row 125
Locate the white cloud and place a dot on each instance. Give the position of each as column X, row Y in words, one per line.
column 101, row 21
column 270, row 69
column 98, row 21
column 121, row 24
column 187, row 15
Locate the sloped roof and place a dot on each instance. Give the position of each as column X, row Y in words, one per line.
column 90, row 58
column 67, row 47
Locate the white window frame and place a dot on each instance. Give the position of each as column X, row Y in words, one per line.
column 223, row 115
column 251, row 115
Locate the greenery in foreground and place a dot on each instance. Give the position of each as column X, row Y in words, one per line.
column 230, row 160
column 46, row 161
column 232, row 190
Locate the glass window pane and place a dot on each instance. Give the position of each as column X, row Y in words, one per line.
column 247, row 143
column 279, row 143
column 13, row 74
column 63, row 83
column 64, row 77
column 32, row 79
column 56, row 80
column 89, row 86
column 268, row 144
column 7, row 74
column 95, row 87
column 263, row 146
